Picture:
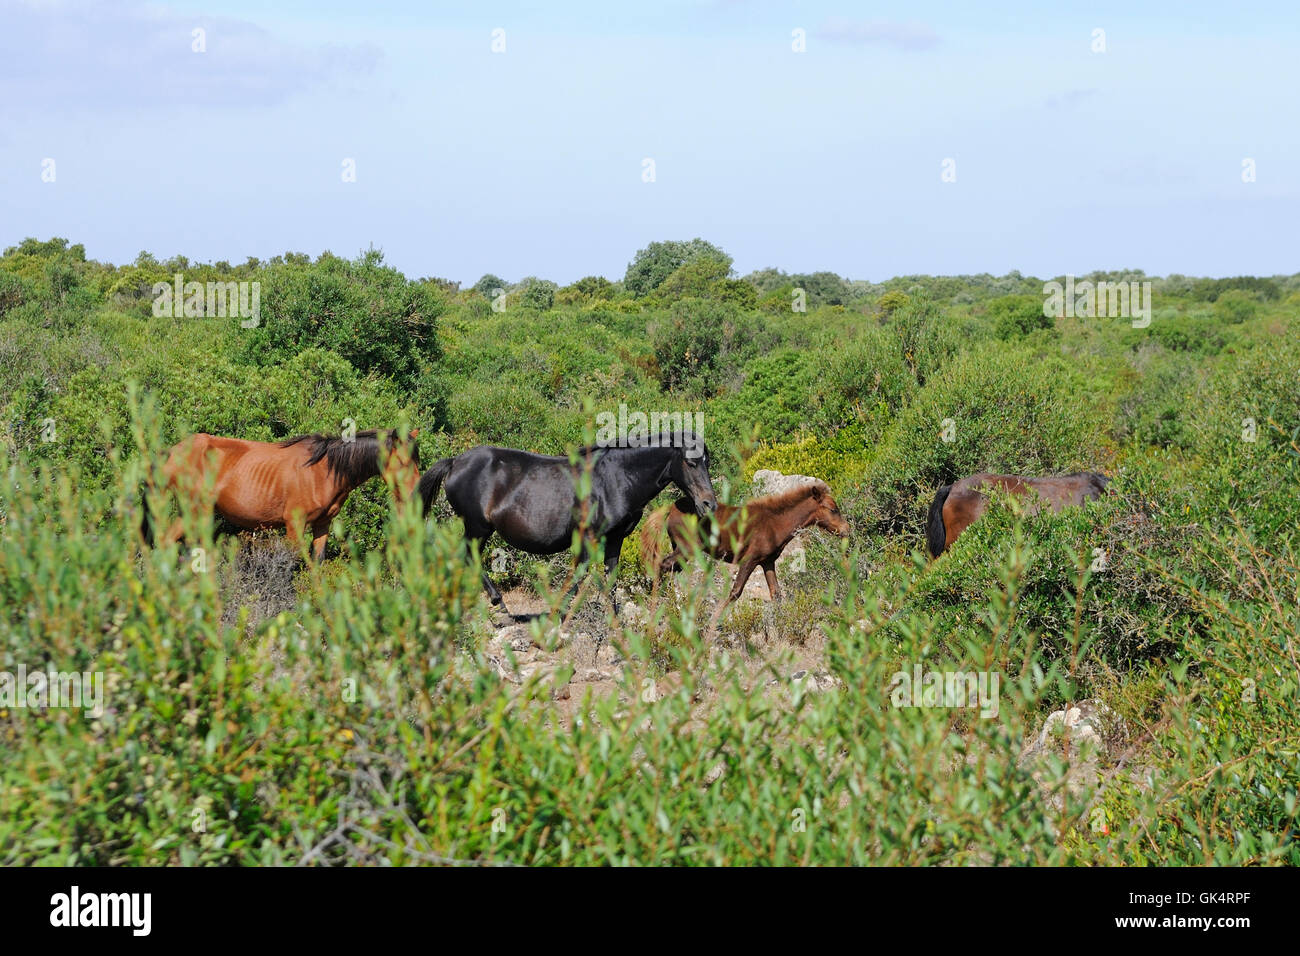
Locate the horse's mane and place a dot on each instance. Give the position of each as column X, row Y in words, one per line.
column 781, row 500
column 356, row 459
column 650, row 441
column 773, row 503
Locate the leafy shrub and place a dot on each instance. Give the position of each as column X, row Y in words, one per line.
column 586, row 290
column 368, row 313
column 869, row 374
column 1235, row 306
column 892, row 301
column 926, row 337
column 488, row 286
column 1245, row 429
column 694, row 279
column 1016, row 316
column 14, row 291
column 699, row 342
column 537, row 294
column 838, row 459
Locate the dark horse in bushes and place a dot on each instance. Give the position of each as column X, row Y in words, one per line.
column 958, row 505
column 534, row 501
column 293, row 484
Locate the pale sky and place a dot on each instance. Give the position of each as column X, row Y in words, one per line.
column 530, row 161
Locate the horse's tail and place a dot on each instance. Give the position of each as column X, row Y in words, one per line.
column 432, row 480
column 935, row 533
column 146, row 519
column 652, row 542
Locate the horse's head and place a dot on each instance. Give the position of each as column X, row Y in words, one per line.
column 689, row 471
column 401, row 463
column 827, row 516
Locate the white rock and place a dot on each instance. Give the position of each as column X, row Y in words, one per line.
column 769, row 482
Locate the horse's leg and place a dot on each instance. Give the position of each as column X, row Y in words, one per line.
column 769, row 572
column 320, row 532
column 581, row 569
column 480, row 537
column 293, row 530
column 746, row 569
column 494, row 595
column 175, row 531
column 669, row 564
column 613, row 551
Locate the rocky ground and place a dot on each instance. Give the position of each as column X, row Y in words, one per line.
column 545, row 650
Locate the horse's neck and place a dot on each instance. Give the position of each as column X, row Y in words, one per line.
column 791, row 519
column 648, row 483
column 797, row 517
column 345, row 480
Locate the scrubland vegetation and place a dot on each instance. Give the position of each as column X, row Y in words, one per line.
column 265, row 711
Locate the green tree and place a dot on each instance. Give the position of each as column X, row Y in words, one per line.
column 694, row 279
column 586, row 290
column 657, row 261
column 488, row 285
column 537, row 293
column 892, row 301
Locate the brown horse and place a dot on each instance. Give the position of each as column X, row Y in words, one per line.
column 298, row 482
column 957, row 506
column 751, row 536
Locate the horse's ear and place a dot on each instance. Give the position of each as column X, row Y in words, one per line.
column 819, row 491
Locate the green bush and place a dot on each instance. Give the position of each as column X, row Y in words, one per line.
column 1016, row 316
column 368, row 313
column 1235, row 306
column 537, row 294
column 699, row 342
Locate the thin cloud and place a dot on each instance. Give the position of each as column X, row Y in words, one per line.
column 912, row 36
column 1069, row 99
column 131, row 55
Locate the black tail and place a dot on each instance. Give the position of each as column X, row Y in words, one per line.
column 432, row 480
column 146, row 521
column 935, row 534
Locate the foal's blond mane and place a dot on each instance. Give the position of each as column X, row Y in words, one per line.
column 781, row 500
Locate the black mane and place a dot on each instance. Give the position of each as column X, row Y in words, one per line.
column 355, row 459
column 684, row 439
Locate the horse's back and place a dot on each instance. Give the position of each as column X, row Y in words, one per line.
column 967, row 499
column 528, row 499
column 1064, row 491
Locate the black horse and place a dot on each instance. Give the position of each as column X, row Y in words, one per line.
column 533, row 502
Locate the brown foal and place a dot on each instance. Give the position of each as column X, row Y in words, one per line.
column 297, row 483
column 750, row 536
